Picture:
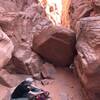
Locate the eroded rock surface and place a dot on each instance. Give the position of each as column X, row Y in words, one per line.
column 79, row 9
column 88, row 59
column 20, row 25
column 83, row 8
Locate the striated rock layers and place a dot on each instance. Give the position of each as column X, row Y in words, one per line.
column 88, row 59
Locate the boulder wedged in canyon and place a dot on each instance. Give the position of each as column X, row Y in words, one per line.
column 88, row 59
column 6, row 48
column 56, row 44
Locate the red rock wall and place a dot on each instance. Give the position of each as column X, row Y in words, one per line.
column 85, row 20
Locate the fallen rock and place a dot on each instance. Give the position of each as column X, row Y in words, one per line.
column 88, row 59
column 26, row 61
column 37, row 76
column 6, row 49
column 11, row 80
column 48, row 71
column 47, row 82
column 56, row 44
column 20, row 25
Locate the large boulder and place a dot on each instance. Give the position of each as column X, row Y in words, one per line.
column 6, row 49
column 88, row 59
column 56, row 44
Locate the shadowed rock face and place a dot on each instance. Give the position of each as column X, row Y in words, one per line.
column 88, row 59
column 56, row 44
column 26, row 61
column 6, row 49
